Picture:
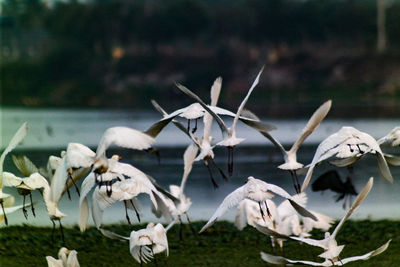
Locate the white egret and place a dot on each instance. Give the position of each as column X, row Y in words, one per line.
column 290, row 156
column 348, row 144
column 25, row 186
column 256, row 190
column 15, row 140
column 144, row 243
column 230, row 140
column 66, row 258
column 284, row 261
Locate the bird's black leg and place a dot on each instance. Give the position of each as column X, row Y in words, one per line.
column 261, row 211
column 297, row 185
column 23, row 208
column 294, row 181
column 188, row 126
column 215, row 185
column 62, row 232
column 126, row 212
column 359, row 149
column 230, row 160
column 266, row 206
column 219, row 169
column 195, row 127
column 351, row 149
column 154, row 255
column 140, row 256
column 180, row 229
column 5, row 215
column 73, row 182
column 68, row 193
column 137, row 213
column 190, row 225
column 32, row 207
column 52, row 231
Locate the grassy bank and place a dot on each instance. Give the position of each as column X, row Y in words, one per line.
column 220, row 245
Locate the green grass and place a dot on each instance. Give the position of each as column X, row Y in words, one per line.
column 220, row 245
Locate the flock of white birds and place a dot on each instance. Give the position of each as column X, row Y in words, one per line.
column 111, row 181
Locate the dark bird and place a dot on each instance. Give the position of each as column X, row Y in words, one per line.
column 332, row 181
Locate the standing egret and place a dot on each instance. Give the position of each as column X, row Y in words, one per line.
column 348, row 144
column 258, row 191
column 290, row 156
column 15, row 140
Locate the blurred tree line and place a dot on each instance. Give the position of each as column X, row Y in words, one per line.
column 120, row 54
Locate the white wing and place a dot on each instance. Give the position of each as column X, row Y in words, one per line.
column 86, row 186
column 310, row 241
column 220, row 122
column 10, row 180
column 188, row 159
column 79, row 156
column 230, row 201
column 52, row 262
column 208, row 118
column 124, row 137
column 24, row 165
column 113, row 235
column 312, row 124
column 72, row 260
column 240, row 109
column 369, row 254
column 361, row 196
column 281, row 260
column 15, row 140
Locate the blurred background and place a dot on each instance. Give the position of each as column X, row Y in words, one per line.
column 121, row 54
column 74, row 68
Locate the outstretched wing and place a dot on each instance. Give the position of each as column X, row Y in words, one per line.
column 188, row 159
column 24, row 165
column 368, row 255
column 312, row 124
column 281, row 260
column 124, row 137
column 230, row 201
column 357, row 202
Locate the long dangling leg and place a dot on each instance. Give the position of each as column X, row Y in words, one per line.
column 137, row 213
column 190, row 224
column 32, row 207
column 215, row 185
column 219, row 169
column 154, row 255
column 261, row 211
column 24, row 211
column 298, row 189
column 266, row 206
column 188, row 126
column 52, row 231
column 62, row 232
column 195, row 127
column 230, row 160
column 5, row 215
column 126, row 212
column 73, row 182
column 180, row 229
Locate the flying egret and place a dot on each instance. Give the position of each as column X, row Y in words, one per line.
column 66, row 258
column 331, row 180
column 348, row 144
column 392, row 137
column 25, row 186
column 329, row 243
column 284, row 261
column 230, row 140
column 256, row 190
column 290, row 156
column 15, row 140
column 128, row 182
column 204, row 144
column 144, row 243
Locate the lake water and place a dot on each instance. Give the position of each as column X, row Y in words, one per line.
column 50, row 131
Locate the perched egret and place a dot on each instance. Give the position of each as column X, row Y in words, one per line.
column 66, row 258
